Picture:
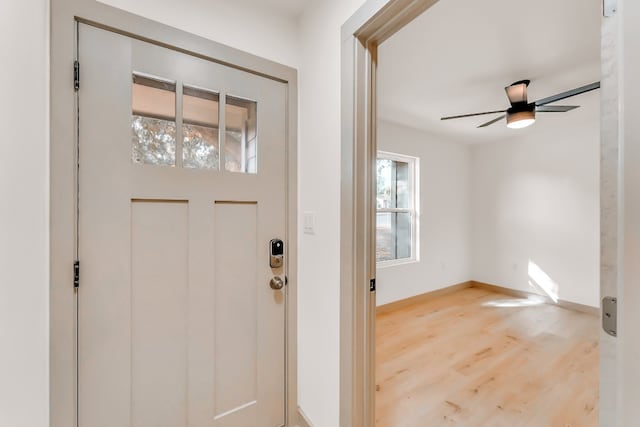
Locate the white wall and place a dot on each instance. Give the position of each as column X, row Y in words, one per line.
column 535, row 199
column 319, row 291
column 443, row 216
column 502, row 212
column 251, row 26
column 24, row 222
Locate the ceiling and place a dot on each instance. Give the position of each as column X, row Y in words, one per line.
column 458, row 56
column 292, row 8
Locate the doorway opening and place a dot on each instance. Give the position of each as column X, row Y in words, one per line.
column 497, row 221
column 487, row 236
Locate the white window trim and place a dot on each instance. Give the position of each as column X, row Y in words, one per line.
column 414, row 190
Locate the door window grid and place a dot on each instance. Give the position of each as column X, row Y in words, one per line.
column 154, row 127
column 396, row 215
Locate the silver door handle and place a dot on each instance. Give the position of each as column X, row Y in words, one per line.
column 276, row 283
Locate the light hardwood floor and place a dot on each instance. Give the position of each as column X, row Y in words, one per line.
column 459, row 360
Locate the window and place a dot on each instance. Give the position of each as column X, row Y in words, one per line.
column 396, row 200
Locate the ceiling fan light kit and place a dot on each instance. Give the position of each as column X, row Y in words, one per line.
column 520, row 119
column 522, row 113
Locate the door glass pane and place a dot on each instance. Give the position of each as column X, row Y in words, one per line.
column 241, row 142
column 201, row 146
column 153, row 121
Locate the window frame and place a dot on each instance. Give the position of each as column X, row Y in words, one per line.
column 412, row 210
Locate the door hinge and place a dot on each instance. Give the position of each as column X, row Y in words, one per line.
column 76, row 75
column 372, row 285
column 610, row 316
column 609, row 7
column 76, row 274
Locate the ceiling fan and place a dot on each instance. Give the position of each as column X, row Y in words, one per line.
column 522, row 113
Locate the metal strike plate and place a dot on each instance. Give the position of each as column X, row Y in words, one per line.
column 610, row 315
column 609, row 7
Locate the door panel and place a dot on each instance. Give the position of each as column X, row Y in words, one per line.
column 236, row 330
column 159, row 312
column 178, row 325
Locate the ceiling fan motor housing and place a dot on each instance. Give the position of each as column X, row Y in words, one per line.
column 521, row 112
column 521, row 107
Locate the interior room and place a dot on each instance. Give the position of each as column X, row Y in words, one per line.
column 488, row 237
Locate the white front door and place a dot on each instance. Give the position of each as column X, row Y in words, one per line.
column 181, row 190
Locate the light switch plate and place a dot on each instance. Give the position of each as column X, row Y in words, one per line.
column 309, row 223
column 609, row 7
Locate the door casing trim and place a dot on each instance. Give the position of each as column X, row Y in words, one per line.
column 64, row 16
column 372, row 24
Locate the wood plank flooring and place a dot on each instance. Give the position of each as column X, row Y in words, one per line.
column 472, row 359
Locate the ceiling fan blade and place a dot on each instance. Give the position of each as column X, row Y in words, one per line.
column 497, row 119
column 517, row 92
column 568, row 94
column 472, row 115
column 555, row 108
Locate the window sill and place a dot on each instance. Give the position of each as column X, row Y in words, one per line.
column 395, row 262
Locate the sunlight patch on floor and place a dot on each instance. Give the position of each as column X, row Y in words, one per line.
column 530, row 301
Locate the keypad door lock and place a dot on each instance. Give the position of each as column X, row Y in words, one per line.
column 276, row 253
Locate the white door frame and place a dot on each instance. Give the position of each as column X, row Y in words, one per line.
column 373, row 23
column 65, row 14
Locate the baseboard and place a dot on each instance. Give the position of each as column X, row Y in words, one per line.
column 392, row 306
column 396, row 305
column 303, row 420
column 524, row 294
